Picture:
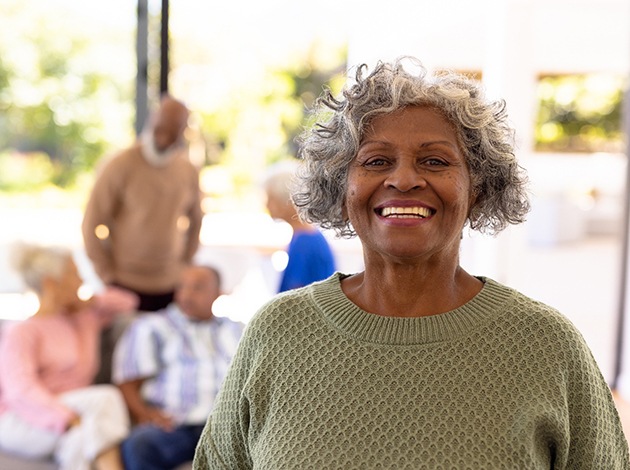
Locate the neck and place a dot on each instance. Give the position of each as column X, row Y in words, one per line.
column 410, row 290
column 298, row 226
column 49, row 305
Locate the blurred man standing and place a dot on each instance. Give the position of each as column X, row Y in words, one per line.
column 142, row 220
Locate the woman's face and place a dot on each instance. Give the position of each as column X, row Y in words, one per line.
column 409, row 188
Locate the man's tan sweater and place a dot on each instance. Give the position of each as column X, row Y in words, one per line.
column 153, row 216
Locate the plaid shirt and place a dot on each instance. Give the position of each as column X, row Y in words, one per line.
column 184, row 361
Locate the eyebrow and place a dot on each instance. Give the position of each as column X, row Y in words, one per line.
column 423, row 145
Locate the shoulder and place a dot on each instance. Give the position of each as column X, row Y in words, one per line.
column 227, row 332
column 282, row 302
column 121, row 159
column 112, row 170
column 18, row 327
column 32, row 330
column 282, row 313
column 183, row 164
column 143, row 335
column 149, row 323
column 223, row 323
column 18, row 339
column 310, row 236
column 310, row 242
column 540, row 324
column 541, row 314
column 273, row 328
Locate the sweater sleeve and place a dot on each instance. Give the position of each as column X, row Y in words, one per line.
column 224, row 442
column 100, row 210
column 597, row 438
column 22, row 390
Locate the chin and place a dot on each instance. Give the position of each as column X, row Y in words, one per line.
column 196, row 317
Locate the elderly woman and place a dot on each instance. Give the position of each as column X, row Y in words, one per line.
column 48, row 406
column 310, row 256
column 412, row 363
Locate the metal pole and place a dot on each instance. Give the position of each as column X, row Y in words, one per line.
column 625, row 250
column 142, row 54
column 164, row 49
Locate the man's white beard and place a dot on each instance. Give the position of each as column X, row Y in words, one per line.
column 154, row 156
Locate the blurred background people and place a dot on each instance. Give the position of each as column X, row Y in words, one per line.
column 169, row 367
column 47, row 363
column 310, row 257
column 142, row 220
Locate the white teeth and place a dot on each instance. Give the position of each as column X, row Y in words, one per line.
column 405, row 212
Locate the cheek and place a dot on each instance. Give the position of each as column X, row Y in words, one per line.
column 351, row 188
column 347, row 201
column 461, row 189
column 354, row 191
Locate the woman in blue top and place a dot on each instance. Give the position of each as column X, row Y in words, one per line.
column 310, row 256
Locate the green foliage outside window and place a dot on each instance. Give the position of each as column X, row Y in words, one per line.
column 580, row 113
column 66, row 92
column 67, row 96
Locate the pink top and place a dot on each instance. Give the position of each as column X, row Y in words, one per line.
column 44, row 356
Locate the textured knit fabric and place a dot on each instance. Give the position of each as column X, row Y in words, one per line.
column 184, row 361
column 153, row 215
column 503, row 382
column 44, row 356
column 310, row 260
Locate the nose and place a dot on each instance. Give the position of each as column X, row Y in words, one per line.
column 405, row 177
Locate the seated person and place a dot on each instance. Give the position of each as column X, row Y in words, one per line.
column 310, row 256
column 169, row 366
column 48, row 407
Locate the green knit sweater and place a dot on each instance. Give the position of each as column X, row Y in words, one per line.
column 503, row 382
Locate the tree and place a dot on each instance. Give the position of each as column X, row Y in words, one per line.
column 65, row 86
column 580, row 113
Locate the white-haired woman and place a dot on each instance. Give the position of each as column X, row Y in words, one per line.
column 48, row 405
column 310, row 256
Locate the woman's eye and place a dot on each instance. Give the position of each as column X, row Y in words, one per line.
column 375, row 162
column 434, row 161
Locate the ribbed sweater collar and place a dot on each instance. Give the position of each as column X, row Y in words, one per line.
column 364, row 326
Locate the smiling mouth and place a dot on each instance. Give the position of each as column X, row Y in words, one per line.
column 404, row 212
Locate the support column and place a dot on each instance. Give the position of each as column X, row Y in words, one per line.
column 164, row 48
column 621, row 378
column 142, row 54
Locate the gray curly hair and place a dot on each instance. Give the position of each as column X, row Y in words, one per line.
column 328, row 148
